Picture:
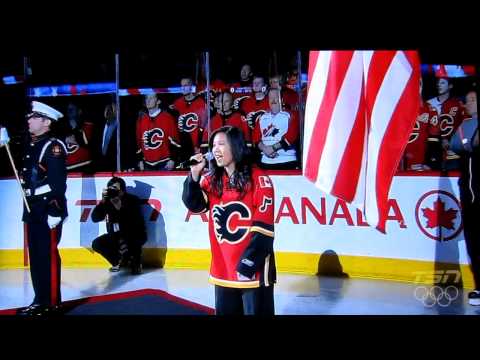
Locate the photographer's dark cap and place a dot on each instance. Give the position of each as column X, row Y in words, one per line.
column 119, row 180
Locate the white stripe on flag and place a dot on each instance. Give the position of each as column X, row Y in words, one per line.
column 315, row 97
column 367, row 59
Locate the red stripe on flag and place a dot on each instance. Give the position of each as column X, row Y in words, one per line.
column 339, row 63
column 396, row 137
column 73, row 90
column 346, row 181
column 133, row 91
column 312, row 64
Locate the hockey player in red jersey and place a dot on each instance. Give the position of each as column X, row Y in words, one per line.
column 240, row 202
column 226, row 116
column 77, row 135
column 254, row 106
column 415, row 155
column 450, row 115
column 157, row 134
column 192, row 114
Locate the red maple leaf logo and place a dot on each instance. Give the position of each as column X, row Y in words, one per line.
column 438, row 216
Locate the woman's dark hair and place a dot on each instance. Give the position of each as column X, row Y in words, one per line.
column 118, row 180
column 241, row 177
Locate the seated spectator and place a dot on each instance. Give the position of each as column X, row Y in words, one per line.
column 157, row 137
column 225, row 116
column 276, row 134
column 126, row 233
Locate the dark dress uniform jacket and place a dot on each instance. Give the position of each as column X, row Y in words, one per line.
column 45, row 179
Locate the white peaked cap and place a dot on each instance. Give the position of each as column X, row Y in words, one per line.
column 44, row 109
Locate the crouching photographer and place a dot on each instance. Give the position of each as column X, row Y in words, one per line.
column 126, row 233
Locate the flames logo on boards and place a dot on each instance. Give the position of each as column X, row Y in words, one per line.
column 71, row 148
column 438, row 215
column 231, row 222
column 188, row 122
column 153, row 139
column 415, row 132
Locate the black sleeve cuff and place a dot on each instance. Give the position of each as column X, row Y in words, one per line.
column 246, row 267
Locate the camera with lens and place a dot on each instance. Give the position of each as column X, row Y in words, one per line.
column 112, row 192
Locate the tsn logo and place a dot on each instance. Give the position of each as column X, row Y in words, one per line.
column 88, row 205
column 438, row 276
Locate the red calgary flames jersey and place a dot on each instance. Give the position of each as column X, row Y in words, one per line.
column 240, row 89
column 154, row 136
column 417, row 143
column 289, row 99
column 450, row 115
column 253, row 109
column 192, row 118
column 234, row 119
column 233, row 222
column 79, row 155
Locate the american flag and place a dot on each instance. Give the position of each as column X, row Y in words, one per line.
column 361, row 108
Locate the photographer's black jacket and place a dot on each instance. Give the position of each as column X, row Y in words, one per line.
column 129, row 218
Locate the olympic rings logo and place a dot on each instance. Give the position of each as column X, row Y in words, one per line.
column 436, row 295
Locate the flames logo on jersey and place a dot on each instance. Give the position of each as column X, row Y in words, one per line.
column 153, row 139
column 71, row 148
column 415, row 132
column 253, row 116
column 231, row 222
column 237, row 101
column 188, row 122
column 446, row 122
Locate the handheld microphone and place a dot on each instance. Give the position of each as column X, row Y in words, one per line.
column 186, row 164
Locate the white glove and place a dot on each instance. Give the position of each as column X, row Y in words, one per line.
column 53, row 221
column 4, row 138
